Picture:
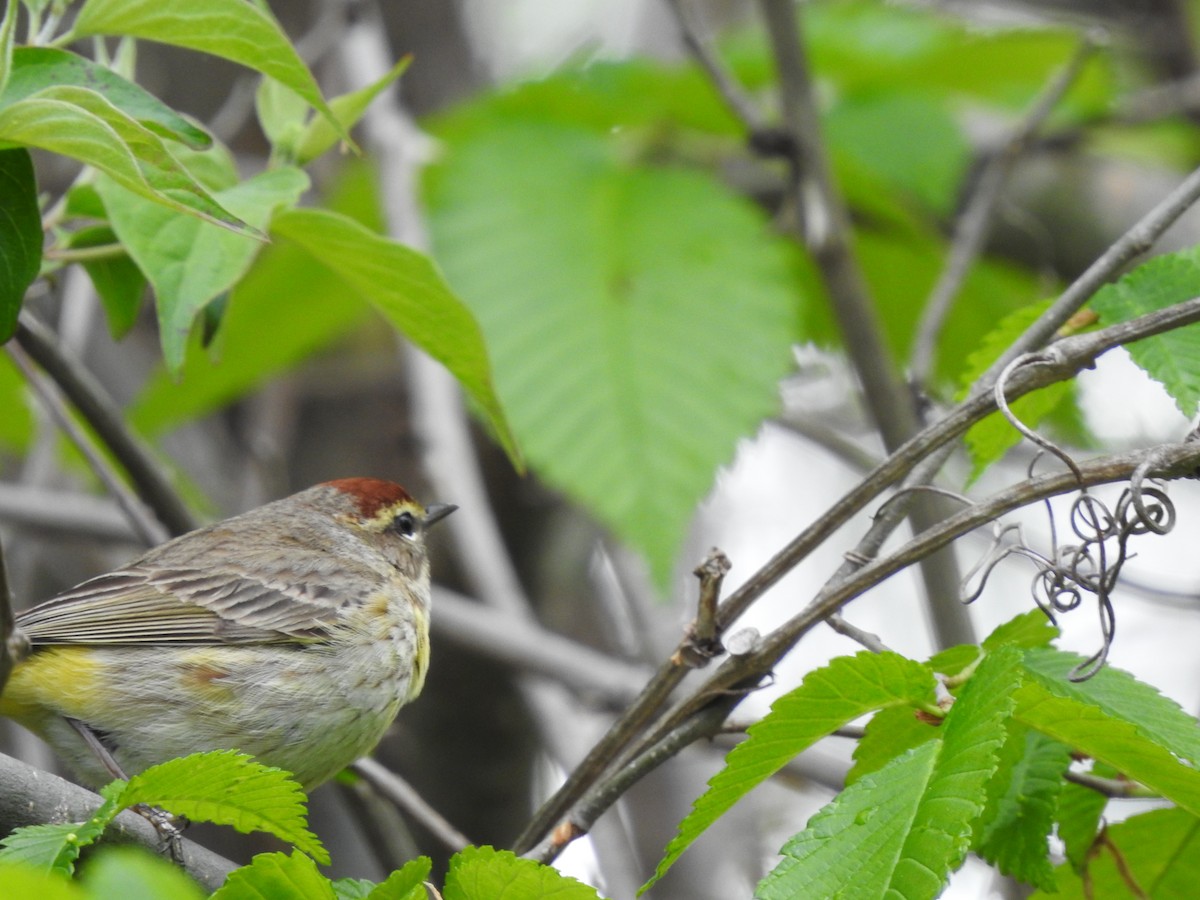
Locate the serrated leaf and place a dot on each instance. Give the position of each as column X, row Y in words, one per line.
column 133, row 873
column 954, row 660
column 1172, row 359
column 406, row 883
column 1159, row 849
column 189, row 262
column 81, row 124
column 21, row 881
column 1119, row 694
column 408, row 290
column 1028, row 629
column 903, row 829
column 632, row 365
column 318, row 136
column 1115, row 741
column 228, row 788
column 35, row 68
column 1013, row 829
column 483, row 873
column 20, row 235
column 890, row 733
column 828, row 698
column 277, row 876
column 55, row 847
column 241, row 32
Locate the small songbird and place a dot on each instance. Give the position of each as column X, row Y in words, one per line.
column 293, row 632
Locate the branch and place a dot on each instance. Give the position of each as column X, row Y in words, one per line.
column 103, row 415
column 1061, row 361
column 29, row 796
column 390, row 785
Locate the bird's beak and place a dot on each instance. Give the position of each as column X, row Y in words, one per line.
column 435, row 512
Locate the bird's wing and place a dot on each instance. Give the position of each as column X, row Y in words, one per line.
column 182, row 606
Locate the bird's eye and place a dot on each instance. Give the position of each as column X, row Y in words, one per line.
column 405, row 524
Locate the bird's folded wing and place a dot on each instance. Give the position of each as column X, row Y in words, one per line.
column 180, row 606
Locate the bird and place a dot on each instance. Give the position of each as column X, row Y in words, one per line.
column 293, row 632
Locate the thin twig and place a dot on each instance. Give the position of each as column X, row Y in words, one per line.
column 1117, row 788
column 731, row 92
column 871, row 641
column 974, row 224
column 103, row 415
column 149, row 530
column 401, row 793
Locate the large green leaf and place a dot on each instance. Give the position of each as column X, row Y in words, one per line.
column 20, row 235
column 1120, row 695
column 188, row 261
column 891, row 732
column 83, row 125
column 36, row 68
column 242, row 32
column 1160, row 850
column 827, row 699
column 482, row 873
column 1173, row 358
column 1090, row 730
column 639, row 318
column 408, row 290
column 901, row 830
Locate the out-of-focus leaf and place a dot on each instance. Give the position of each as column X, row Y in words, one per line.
column 318, row 135
column 20, row 235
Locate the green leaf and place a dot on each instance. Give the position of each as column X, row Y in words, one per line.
column 1013, row 830
column 1161, row 850
column 277, row 876
column 281, row 113
column 1078, row 816
column 408, row 290
column 632, row 366
column 49, row 848
column 482, row 873
column 189, row 262
column 890, row 733
column 991, row 438
column 954, row 660
column 406, row 883
column 928, row 164
column 118, row 280
column 287, row 294
column 133, row 872
column 318, row 136
column 22, row 881
column 81, row 124
column 901, row 830
column 228, row 788
column 1120, row 695
column 1172, row 359
column 35, row 68
column 1090, row 730
column 20, row 235
column 1028, row 629
column 241, row 32
column 827, row 699
column 16, row 419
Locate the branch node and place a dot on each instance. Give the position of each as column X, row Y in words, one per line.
column 702, row 642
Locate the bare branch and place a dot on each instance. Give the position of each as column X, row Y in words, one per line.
column 402, row 794
column 704, row 636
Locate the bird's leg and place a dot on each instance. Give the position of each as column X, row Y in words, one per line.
column 169, row 827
